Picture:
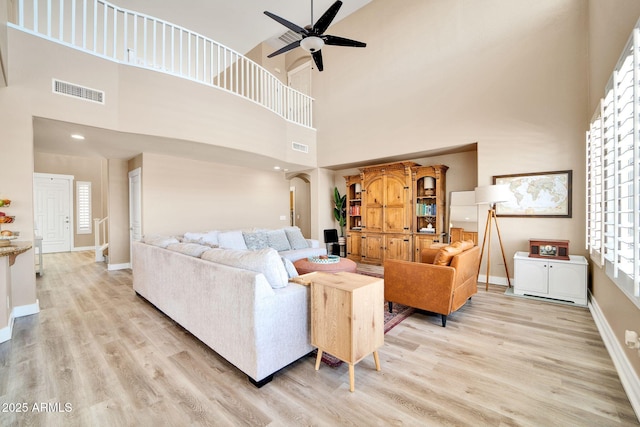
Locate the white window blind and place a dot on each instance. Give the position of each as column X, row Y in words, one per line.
column 613, row 174
column 83, row 203
column 594, row 185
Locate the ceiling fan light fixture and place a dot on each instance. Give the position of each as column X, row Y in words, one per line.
column 312, row 43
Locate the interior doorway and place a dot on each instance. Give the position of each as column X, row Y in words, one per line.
column 299, row 78
column 300, row 204
column 53, row 211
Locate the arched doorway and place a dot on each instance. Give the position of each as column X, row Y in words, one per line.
column 300, row 203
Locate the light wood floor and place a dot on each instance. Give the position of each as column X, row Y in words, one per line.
column 501, row 361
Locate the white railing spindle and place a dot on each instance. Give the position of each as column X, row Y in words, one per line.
column 84, row 24
column 73, row 21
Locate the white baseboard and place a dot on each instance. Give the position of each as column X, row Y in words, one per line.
column 124, row 266
column 26, row 310
column 7, row 331
column 19, row 311
column 83, row 248
column 628, row 376
column 494, row 280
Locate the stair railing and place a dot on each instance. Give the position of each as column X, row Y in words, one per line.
column 101, row 237
column 124, row 36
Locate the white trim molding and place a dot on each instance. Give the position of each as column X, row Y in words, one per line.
column 494, row 280
column 7, row 331
column 19, row 311
column 628, row 376
column 26, row 310
column 123, row 266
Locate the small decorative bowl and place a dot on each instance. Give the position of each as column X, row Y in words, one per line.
column 329, row 259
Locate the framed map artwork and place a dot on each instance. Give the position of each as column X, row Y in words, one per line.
column 543, row 194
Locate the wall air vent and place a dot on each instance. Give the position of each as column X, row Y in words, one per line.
column 296, row 146
column 289, row 37
column 76, row 91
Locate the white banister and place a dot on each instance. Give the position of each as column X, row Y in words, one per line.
column 192, row 56
column 100, row 235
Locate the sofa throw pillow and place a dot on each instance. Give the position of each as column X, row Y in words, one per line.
column 256, row 240
column 210, row 238
column 265, row 261
column 278, row 240
column 295, row 238
column 160, row 241
column 190, row 237
column 191, row 249
column 291, row 269
column 231, row 240
column 446, row 254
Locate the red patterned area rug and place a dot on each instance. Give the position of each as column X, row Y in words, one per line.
column 400, row 312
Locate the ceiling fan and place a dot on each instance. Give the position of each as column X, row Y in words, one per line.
column 313, row 37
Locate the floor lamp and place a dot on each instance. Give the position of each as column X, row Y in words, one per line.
column 490, row 195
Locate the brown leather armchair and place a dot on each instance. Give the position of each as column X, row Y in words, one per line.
column 439, row 289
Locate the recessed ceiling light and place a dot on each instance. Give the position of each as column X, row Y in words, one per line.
column 77, row 136
column 277, row 168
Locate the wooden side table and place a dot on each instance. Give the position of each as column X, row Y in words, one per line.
column 347, row 318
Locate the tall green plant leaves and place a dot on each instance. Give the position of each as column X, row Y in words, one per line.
column 340, row 209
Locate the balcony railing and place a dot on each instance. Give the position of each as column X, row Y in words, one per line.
column 128, row 37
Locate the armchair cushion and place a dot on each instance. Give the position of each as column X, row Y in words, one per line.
column 446, row 254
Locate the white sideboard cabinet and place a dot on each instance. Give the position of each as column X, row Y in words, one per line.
column 551, row 278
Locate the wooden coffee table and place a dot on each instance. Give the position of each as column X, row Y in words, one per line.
column 304, row 266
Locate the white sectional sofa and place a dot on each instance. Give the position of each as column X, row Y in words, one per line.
column 237, row 301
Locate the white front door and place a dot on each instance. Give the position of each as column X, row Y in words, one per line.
column 53, row 207
column 135, row 208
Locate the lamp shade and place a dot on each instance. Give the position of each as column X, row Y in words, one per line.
column 358, row 188
column 490, row 194
column 429, row 183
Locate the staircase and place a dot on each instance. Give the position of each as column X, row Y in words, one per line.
column 101, row 243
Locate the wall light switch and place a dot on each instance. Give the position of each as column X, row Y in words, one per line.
column 283, row 217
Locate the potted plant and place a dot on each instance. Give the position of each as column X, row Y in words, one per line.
column 340, row 210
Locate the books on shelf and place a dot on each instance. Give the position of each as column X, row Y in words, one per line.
column 424, row 209
column 354, row 210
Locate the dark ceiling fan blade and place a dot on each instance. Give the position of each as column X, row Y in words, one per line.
column 317, row 57
column 325, row 20
column 341, row 41
column 289, row 25
column 287, row 48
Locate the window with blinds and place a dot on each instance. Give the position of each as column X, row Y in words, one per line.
column 613, row 174
column 83, row 203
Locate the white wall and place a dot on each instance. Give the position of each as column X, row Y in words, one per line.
column 180, row 195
